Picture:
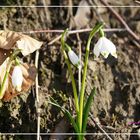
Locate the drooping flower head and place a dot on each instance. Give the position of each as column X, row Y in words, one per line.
column 73, row 58
column 105, row 47
column 17, row 78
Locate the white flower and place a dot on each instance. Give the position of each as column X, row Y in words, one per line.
column 73, row 58
column 105, row 47
column 17, row 78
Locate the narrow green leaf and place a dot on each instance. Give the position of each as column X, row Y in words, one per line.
column 87, row 109
column 72, row 121
column 68, row 115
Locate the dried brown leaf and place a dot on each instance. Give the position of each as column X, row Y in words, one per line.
column 82, row 17
column 10, row 40
column 28, row 45
column 29, row 74
column 4, row 54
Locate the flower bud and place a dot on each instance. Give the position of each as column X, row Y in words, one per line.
column 17, row 78
column 73, row 58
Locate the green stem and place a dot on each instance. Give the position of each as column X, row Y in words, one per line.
column 67, row 47
column 81, row 105
column 4, row 80
column 12, row 57
column 17, row 62
column 71, row 72
column 102, row 34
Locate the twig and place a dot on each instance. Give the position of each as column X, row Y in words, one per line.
column 137, row 2
column 96, row 11
column 109, row 127
column 37, row 97
column 100, row 127
column 73, row 32
column 70, row 10
column 137, row 38
column 46, row 11
column 54, row 40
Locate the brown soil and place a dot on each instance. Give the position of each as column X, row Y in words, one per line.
column 117, row 101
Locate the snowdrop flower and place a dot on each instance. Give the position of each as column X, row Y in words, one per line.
column 73, row 58
column 17, row 78
column 105, row 47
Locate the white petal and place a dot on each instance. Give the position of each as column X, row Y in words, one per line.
column 73, row 58
column 97, row 47
column 110, row 46
column 105, row 47
column 114, row 54
column 17, row 78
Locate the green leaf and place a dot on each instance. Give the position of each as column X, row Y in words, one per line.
column 87, row 109
column 67, row 113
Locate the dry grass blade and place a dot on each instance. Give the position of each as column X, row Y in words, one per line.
column 82, row 17
column 100, row 127
column 37, row 97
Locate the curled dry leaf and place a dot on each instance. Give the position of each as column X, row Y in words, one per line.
column 28, row 45
column 29, row 74
column 10, row 40
column 82, row 17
